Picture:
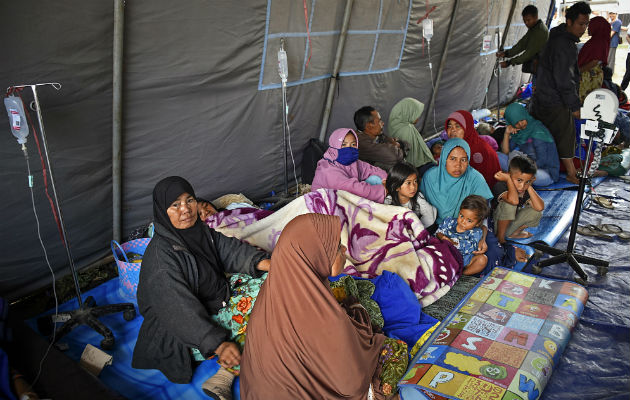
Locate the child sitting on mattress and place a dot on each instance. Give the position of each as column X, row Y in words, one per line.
column 516, row 205
column 465, row 232
column 402, row 186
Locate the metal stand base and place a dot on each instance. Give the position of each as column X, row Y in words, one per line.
column 560, row 256
column 88, row 314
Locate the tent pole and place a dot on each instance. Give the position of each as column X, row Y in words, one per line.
column 336, row 66
column 119, row 21
column 505, row 32
column 449, row 33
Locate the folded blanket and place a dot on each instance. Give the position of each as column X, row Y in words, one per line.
column 378, row 238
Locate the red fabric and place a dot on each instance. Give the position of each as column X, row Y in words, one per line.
column 482, row 157
column 596, row 48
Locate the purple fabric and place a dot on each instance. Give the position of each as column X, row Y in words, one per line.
column 378, row 238
column 332, row 175
column 490, row 140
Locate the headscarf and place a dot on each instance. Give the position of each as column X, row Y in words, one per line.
column 400, row 125
column 535, row 129
column 481, row 157
column 336, row 140
column 300, row 343
column 446, row 192
column 598, row 46
column 195, row 239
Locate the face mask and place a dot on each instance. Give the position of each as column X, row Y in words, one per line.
column 347, row 155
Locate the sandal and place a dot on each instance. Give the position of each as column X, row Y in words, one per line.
column 589, row 231
column 604, row 202
column 624, row 235
column 606, row 228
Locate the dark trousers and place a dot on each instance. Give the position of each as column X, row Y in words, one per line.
column 626, row 77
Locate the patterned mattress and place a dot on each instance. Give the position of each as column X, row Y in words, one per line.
column 501, row 342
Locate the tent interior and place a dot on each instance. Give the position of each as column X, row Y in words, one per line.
column 151, row 89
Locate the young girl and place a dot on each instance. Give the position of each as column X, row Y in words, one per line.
column 466, row 231
column 402, row 186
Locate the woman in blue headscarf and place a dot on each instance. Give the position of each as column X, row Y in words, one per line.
column 446, row 185
column 530, row 136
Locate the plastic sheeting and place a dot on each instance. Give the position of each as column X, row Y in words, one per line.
column 596, row 363
column 193, row 102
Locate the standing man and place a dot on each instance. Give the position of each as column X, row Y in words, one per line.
column 527, row 50
column 626, row 77
column 556, row 101
column 374, row 147
column 615, row 38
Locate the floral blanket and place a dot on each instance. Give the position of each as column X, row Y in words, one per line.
column 378, row 237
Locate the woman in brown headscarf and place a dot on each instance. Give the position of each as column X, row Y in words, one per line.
column 301, row 343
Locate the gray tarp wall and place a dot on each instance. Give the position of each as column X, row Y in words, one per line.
column 201, row 99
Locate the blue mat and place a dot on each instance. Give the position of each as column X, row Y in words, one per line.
column 132, row 383
column 596, row 363
column 559, row 207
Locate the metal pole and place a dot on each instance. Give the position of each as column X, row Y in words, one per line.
column 505, row 32
column 499, row 79
column 52, row 184
column 449, row 33
column 284, row 136
column 333, row 79
column 119, row 21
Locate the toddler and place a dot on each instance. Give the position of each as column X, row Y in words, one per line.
column 466, row 231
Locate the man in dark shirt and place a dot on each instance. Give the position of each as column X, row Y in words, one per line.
column 556, row 101
column 375, row 147
column 526, row 50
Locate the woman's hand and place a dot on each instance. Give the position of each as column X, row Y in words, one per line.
column 510, row 130
column 229, row 355
column 264, row 265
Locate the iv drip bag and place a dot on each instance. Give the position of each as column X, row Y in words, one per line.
column 283, row 67
column 17, row 118
column 427, row 28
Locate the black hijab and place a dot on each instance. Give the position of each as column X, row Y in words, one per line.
column 212, row 286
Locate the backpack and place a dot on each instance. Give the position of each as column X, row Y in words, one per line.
column 313, row 152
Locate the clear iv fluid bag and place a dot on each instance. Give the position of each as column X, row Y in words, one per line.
column 427, row 28
column 17, row 118
column 283, row 67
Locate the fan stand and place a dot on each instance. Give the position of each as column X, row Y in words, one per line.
column 569, row 256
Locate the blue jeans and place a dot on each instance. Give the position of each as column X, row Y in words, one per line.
column 542, row 178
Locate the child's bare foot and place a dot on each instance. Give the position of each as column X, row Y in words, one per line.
column 520, row 254
column 521, row 235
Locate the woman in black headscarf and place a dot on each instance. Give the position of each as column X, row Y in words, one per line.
column 183, row 293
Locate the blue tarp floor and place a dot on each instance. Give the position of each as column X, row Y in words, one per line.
column 595, row 365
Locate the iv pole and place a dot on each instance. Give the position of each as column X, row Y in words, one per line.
column 57, row 86
column 88, row 312
column 284, row 127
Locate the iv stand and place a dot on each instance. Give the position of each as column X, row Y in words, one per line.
column 284, row 130
column 88, row 312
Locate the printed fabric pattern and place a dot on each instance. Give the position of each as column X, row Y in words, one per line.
column 378, row 238
column 394, row 360
column 467, row 242
column 235, row 315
